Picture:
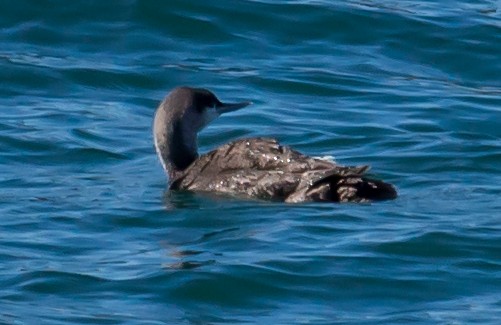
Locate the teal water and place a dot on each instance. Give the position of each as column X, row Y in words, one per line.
column 89, row 236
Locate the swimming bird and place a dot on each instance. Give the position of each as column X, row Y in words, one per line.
column 258, row 168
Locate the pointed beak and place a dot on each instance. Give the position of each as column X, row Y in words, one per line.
column 230, row 107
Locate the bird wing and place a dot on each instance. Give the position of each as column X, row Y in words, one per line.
column 261, row 168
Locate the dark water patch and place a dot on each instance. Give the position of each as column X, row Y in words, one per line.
column 440, row 245
column 50, row 282
column 110, row 79
column 92, row 156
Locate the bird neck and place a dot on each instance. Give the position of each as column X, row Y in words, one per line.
column 176, row 146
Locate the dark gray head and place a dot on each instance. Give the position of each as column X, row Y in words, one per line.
column 180, row 116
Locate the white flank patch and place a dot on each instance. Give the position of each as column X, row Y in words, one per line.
column 326, row 158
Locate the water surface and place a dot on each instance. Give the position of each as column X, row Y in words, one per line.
column 88, row 234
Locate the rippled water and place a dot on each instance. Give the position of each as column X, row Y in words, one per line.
column 88, row 234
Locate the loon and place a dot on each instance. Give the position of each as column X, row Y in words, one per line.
column 258, row 168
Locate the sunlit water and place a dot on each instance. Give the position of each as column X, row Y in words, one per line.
column 88, row 234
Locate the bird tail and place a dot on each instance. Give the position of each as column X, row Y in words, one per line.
column 352, row 188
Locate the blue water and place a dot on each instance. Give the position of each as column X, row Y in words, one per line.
column 88, row 234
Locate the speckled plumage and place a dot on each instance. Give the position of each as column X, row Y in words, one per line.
column 256, row 167
column 262, row 168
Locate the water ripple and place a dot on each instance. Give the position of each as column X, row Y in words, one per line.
column 88, row 233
